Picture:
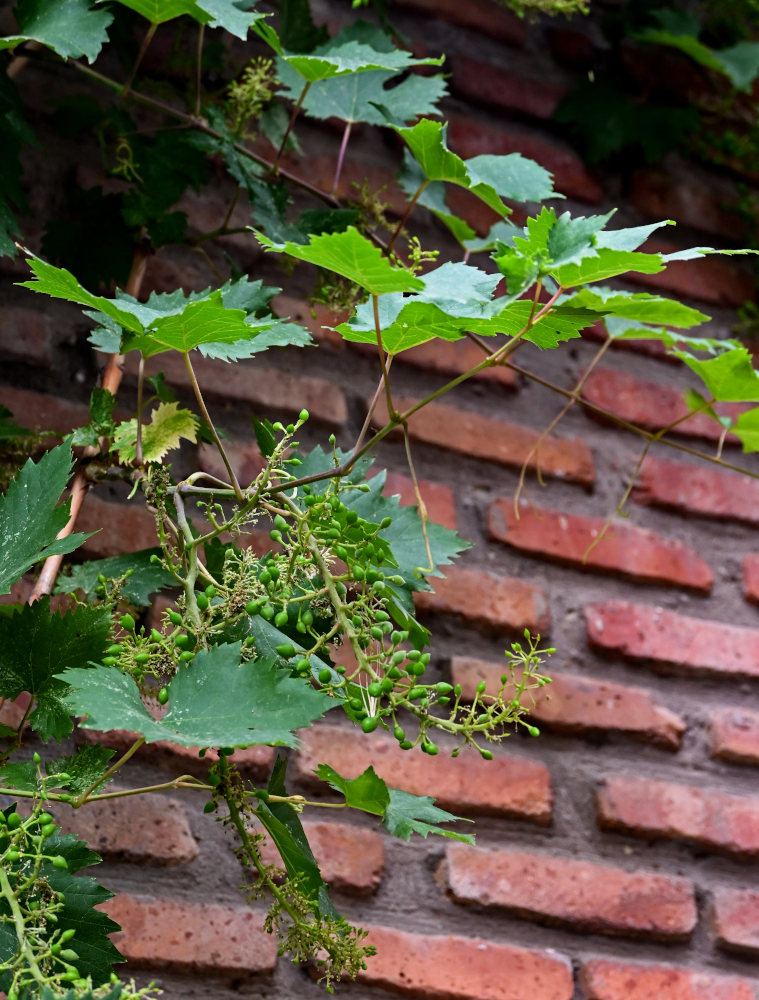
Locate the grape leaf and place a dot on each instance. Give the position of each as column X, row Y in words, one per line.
column 35, row 645
column 235, row 16
column 640, row 306
column 146, row 578
column 367, row 792
column 512, row 176
column 69, row 27
column 354, row 257
column 730, row 377
column 84, row 768
column 9, row 429
column 358, row 97
column 214, row 701
column 746, row 427
column 200, row 322
column 338, row 57
column 31, row 517
column 160, row 11
column 169, row 424
column 407, row 814
column 607, row 263
column 630, row 238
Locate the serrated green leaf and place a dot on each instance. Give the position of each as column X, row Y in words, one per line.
column 169, row 425
column 203, row 322
column 35, row 645
column 235, row 16
column 146, row 578
column 630, row 238
column 607, row 264
column 160, row 11
column 746, row 428
column 730, row 377
column 367, row 792
column 31, row 516
column 85, row 767
column 407, row 814
column 214, row 701
column 512, row 176
column 432, row 197
column 69, row 27
column 338, row 58
column 641, row 306
column 354, row 257
column 20, row 775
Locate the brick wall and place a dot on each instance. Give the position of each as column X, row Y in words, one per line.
column 617, row 854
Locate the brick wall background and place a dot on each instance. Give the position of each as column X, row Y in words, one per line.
column 616, row 854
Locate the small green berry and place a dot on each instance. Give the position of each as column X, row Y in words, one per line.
column 163, row 696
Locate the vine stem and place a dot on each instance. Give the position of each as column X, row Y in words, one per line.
column 206, row 416
column 110, row 772
column 405, row 217
column 140, row 54
column 341, row 156
column 111, row 381
column 288, row 130
column 18, row 922
column 199, row 67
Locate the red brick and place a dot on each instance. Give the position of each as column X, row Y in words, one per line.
column 624, row 548
column 190, row 937
column 494, row 22
column 456, row 968
column 382, row 182
column 469, row 137
column 350, row 858
column 601, row 979
column 495, row 85
column 118, row 526
column 652, row 405
column 496, row 602
column 245, row 457
column 454, row 357
column 735, row 920
column 676, row 642
column 708, row 279
column 697, row 489
column 751, row 578
column 316, row 318
column 495, row 440
column 27, row 336
column 734, row 735
column 664, row 809
column 151, row 829
column 510, row 786
column 580, row 705
column 689, row 201
column 253, row 761
column 38, row 411
column 577, row 894
column 438, row 498
column 271, row 392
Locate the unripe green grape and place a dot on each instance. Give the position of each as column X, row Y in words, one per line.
column 163, row 696
column 398, row 657
column 431, row 748
column 202, row 601
column 267, row 612
column 186, row 656
column 358, row 572
column 252, row 607
column 376, row 632
column 60, row 862
column 13, row 856
column 356, row 704
column 533, row 731
column 443, row 688
column 115, row 649
column 387, row 685
column 68, row 934
column 417, row 669
column 209, row 807
column 109, row 661
column 307, row 617
column 175, row 618
column 370, row 723
column 381, row 616
column 281, row 619
column 44, row 817
column 48, row 830
column 69, row 954
column 341, row 552
column 416, row 692
column 285, row 650
column 486, row 754
column 405, row 744
column 13, row 820
column 301, row 627
column 127, row 622
column 398, row 733
column 325, row 675
column 303, row 416
column 182, row 640
column 394, row 672
column 141, row 657
column 303, row 665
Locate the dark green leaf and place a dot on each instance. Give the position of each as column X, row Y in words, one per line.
column 84, row 767
column 214, row 701
column 30, row 516
column 69, row 27
column 407, row 814
column 9, row 429
column 367, row 792
column 145, row 580
column 35, row 645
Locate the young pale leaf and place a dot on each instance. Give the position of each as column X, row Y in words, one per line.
column 746, row 427
column 640, row 306
column 35, row 645
column 367, row 792
column 605, row 264
column 30, row 516
column 214, row 701
column 338, row 58
column 69, row 27
column 169, row 424
column 407, row 814
column 512, row 176
column 631, row 238
column 354, row 257
column 730, row 377
column 235, row 16
column 146, row 578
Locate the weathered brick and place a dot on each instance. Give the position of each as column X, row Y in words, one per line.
column 350, row 858
column 116, row 526
column 26, row 336
column 457, row 968
column 150, row 829
column 496, row 602
column 469, row 137
column 503, row 88
column 671, row 811
column 495, row 440
column 245, row 457
column 475, row 14
column 454, row 357
column 689, row 201
column 510, row 786
column 624, row 548
column 275, row 393
column 318, row 319
column 734, row 735
column 677, row 643
column 735, row 920
column 602, row 979
column 652, row 405
column 438, row 498
column 577, row 894
column 38, row 411
column 191, row 937
column 697, row 489
column 709, row 279
column 751, row 578
column 580, row 705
